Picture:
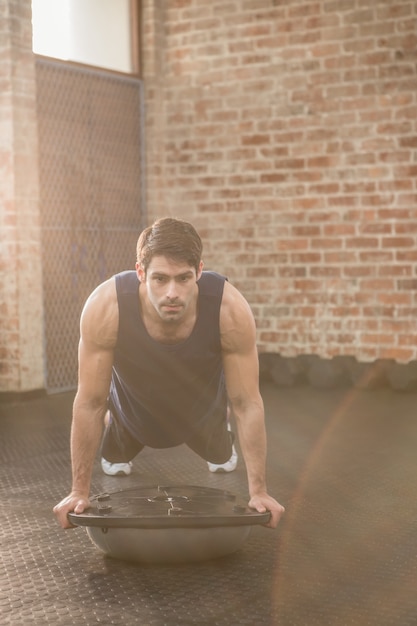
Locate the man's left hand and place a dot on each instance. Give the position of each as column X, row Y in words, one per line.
column 263, row 503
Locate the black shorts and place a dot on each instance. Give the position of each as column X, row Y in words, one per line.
column 213, row 442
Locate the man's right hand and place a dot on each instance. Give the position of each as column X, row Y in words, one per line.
column 73, row 503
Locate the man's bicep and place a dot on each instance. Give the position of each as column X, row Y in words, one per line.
column 94, row 371
column 98, row 332
column 242, row 376
column 240, row 355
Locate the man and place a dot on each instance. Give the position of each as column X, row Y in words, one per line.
column 164, row 351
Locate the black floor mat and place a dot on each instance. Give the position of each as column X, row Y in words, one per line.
column 343, row 462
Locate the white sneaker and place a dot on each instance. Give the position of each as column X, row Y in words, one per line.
column 116, row 469
column 229, row 466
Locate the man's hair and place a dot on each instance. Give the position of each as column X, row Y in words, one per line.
column 170, row 237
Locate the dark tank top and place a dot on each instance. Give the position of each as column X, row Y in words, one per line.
column 164, row 394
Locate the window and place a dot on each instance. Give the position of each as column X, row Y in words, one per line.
column 93, row 32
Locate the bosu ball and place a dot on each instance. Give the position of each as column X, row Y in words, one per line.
column 171, row 524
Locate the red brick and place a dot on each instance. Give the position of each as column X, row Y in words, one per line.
column 255, row 140
column 290, row 126
column 375, row 257
column 292, row 244
column 407, row 284
column 398, row 242
column 362, row 242
column 331, row 230
column 343, row 256
column 356, row 271
column 305, row 231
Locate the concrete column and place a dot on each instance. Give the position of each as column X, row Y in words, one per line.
column 21, row 301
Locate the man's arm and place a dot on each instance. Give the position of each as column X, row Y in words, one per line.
column 241, row 366
column 99, row 322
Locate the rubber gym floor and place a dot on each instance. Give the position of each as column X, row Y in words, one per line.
column 343, row 462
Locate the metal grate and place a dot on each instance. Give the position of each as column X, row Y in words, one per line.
column 90, row 126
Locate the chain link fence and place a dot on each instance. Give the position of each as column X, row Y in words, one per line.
column 91, row 154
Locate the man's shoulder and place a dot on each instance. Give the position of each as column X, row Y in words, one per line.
column 126, row 281
column 106, row 292
column 236, row 320
column 211, row 275
column 211, row 283
column 103, row 292
column 100, row 313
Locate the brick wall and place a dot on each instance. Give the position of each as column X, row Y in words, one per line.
column 286, row 131
column 21, row 315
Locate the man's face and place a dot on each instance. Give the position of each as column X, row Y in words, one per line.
column 170, row 287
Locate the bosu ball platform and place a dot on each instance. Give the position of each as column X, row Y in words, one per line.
column 168, row 524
